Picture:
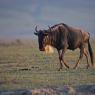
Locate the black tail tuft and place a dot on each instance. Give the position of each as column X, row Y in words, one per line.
column 91, row 53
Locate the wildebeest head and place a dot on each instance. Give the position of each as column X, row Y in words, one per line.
column 43, row 38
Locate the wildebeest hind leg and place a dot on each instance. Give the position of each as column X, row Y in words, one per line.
column 86, row 55
column 60, row 59
column 81, row 56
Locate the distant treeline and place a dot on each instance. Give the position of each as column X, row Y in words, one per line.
column 14, row 42
column 29, row 42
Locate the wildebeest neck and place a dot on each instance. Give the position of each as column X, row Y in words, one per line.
column 58, row 35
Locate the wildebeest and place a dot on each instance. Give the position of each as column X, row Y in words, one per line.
column 63, row 37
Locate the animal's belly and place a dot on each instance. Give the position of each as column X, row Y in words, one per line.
column 74, row 46
column 71, row 48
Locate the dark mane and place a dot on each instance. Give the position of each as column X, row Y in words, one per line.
column 60, row 24
column 56, row 25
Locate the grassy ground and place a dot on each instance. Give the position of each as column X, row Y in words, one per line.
column 24, row 66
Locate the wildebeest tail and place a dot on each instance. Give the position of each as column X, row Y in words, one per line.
column 91, row 53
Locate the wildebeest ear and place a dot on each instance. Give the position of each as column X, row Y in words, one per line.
column 35, row 33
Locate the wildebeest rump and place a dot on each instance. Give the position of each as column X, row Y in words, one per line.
column 63, row 37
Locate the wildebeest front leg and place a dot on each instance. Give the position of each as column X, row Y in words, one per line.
column 63, row 51
column 61, row 59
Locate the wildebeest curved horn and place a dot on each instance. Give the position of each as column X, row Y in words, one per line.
column 36, row 33
column 49, row 27
column 36, row 29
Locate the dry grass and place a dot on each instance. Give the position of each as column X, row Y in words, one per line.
column 24, row 66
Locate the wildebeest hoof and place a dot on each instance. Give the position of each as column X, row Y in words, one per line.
column 74, row 67
column 68, row 67
column 59, row 69
column 87, row 66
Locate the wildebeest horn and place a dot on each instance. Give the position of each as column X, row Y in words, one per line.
column 36, row 29
column 49, row 27
column 36, row 33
